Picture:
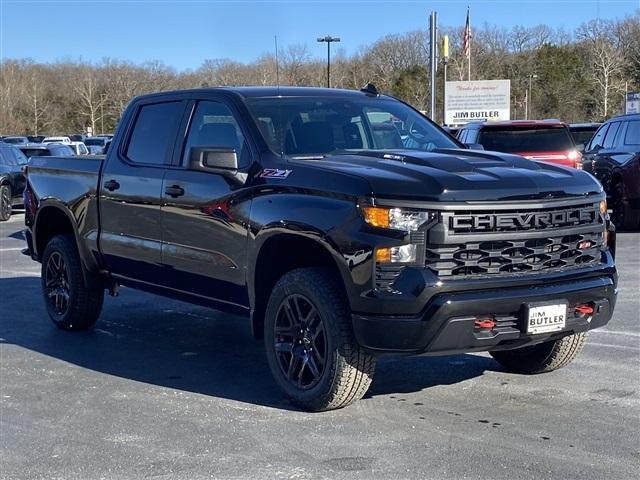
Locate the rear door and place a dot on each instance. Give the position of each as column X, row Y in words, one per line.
column 130, row 193
column 204, row 214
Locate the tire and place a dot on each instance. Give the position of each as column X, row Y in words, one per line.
column 320, row 367
column 544, row 357
column 5, row 202
column 72, row 303
column 623, row 215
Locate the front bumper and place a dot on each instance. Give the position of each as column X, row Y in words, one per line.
column 446, row 325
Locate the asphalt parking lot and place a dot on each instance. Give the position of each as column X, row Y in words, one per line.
column 163, row 389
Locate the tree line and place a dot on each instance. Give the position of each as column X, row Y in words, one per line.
column 575, row 76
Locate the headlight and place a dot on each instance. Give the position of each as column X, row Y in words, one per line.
column 397, row 219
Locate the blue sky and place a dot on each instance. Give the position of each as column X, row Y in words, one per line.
column 184, row 33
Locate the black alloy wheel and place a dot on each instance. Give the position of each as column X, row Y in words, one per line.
column 57, row 283
column 300, row 341
column 5, row 202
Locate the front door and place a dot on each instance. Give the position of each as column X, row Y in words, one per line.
column 204, row 214
column 130, row 194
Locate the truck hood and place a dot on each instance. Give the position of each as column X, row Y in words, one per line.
column 460, row 175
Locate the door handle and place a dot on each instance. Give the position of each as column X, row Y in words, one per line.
column 111, row 185
column 174, row 191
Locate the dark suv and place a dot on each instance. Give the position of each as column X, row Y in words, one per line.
column 613, row 156
column 543, row 140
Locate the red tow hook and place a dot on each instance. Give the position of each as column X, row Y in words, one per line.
column 584, row 308
column 484, row 323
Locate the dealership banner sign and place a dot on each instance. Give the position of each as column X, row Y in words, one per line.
column 477, row 101
column 633, row 103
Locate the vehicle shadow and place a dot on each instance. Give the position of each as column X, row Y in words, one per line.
column 179, row 346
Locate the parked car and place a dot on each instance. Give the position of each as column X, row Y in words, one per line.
column 542, row 140
column 99, row 142
column 46, row 150
column 15, row 140
column 79, row 148
column 36, row 138
column 78, row 137
column 56, row 140
column 12, row 180
column 286, row 206
column 613, row 156
column 582, row 133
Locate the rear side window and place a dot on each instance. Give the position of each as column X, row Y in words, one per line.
column 633, row 133
column 609, row 138
column 153, row 133
column 6, row 158
column 526, row 140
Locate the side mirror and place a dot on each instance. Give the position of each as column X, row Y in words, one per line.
column 213, row 158
column 580, row 147
column 474, row 146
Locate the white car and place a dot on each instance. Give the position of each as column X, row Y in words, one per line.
column 65, row 140
column 79, row 148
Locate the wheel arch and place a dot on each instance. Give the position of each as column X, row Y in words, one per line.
column 279, row 252
column 53, row 219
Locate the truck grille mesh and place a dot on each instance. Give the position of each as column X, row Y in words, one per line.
column 509, row 256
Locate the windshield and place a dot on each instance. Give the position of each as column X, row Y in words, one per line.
column 527, row 140
column 36, row 152
column 95, row 141
column 312, row 126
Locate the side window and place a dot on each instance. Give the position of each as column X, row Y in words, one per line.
column 611, row 135
column 5, row 157
column 633, row 133
column 213, row 125
column 154, row 132
column 462, row 135
column 598, row 138
column 21, row 159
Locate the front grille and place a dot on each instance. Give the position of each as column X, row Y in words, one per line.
column 518, row 241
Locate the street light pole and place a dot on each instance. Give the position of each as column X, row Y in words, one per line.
column 329, row 39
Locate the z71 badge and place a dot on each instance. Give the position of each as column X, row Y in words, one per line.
column 275, row 173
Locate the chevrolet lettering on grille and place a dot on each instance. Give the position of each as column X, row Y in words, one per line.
column 523, row 221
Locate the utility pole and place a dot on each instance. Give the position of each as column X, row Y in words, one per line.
column 433, row 58
column 329, row 39
column 445, row 61
column 529, row 109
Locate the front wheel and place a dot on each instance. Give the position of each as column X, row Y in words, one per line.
column 310, row 346
column 542, row 358
column 73, row 297
column 5, row 202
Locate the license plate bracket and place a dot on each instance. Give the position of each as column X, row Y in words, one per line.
column 546, row 317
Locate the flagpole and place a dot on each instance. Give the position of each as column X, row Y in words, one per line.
column 469, row 58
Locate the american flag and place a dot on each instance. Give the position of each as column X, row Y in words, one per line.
column 466, row 38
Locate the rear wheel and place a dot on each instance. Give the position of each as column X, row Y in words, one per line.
column 542, row 358
column 310, row 346
column 5, row 202
column 73, row 297
column 623, row 215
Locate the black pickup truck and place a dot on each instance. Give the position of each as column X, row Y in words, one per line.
column 344, row 224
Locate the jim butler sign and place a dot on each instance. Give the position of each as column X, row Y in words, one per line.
column 477, row 101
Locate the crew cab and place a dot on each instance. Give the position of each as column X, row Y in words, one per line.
column 542, row 140
column 344, row 224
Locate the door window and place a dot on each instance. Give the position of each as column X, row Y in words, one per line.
column 214, row 125
column 633, row 133
column 611, row 135
column 598, row 138
column 154, row 132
